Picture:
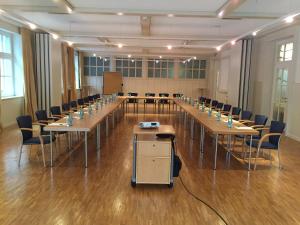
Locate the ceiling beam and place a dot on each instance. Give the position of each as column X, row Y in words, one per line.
column 64, row 5
column 145, row 22
column 228, row 8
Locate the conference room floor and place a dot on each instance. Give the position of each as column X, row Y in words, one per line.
column 102, row 194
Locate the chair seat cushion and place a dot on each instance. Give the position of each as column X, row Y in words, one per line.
column 36, row 140
column 265, row 144
column 253, row 137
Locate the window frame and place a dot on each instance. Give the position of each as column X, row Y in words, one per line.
column 128, row 67
column 186, row 69
column 158, row 66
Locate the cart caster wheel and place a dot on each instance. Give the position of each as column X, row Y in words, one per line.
column 170, row 185
column 133, row 184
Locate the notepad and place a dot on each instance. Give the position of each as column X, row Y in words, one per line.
column 244, row 128
column 58, row 124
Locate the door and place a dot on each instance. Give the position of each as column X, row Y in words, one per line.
column 112, row 82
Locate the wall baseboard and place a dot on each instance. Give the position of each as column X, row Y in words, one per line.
column 296, row 138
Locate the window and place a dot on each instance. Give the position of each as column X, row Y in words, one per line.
column 129, row 67
column 11, row 64
column 192, row 69
column 161, row 68
column 95, row 66
column 77, row 70
column 286, row 52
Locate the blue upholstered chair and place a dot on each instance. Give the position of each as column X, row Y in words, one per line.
column 219, row 106
column 270, row 140
column 66, row 107
column 207, row 101
column 25, row 125
column 97, row 96
column 246, row 116
column 80, row 102
column 202, row 99
column 214, row 103
column 86, row 100
column 91, row 98
column 56, row 112
column 236, row 112
column 149, row 101
column 163, row 101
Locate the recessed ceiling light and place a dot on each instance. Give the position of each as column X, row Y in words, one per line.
column 169, row 47
column 70, row 43
column 219, row 48
column 254, row 33
column 132, row 60
column 170, row 15
column 55, row 36
column 2, row 11
column 157, row 61
column 105, row 59
column 120, row 14
column 289, row 19
column 32, row 26
column 129, row 56
column 233, row 42
column 100, row 57
column 221, row 14
column 120, row 45
column 195, row 57
column 94, row 54
column 69, row 9
column 160, row 56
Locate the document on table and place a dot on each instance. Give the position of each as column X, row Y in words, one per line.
column 58, row 124
column 244, row 128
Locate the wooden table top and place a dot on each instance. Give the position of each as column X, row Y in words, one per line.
column 214, row 126
column 162, row 129
column 146, row 97
column 88, row 122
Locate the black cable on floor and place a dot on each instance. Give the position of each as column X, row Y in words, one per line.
column 205, row 203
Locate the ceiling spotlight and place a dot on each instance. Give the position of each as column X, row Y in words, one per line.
column 120, row 45
column 32, row 26
column 221, row 14
column 169, row 47
column 100, row 57
column 289, row 19
column 170, row 15
column 2, row 11
column 70, row 43
column 219, row 48
column 69, row 9
column 55, row 36
column 129, row 56
column 132, row 60
column 156, row 61
column 233, row 42
column 254, row 33
column 105, row 59
column 94, row 54
column 160, row 56
column 120, row 14
column 194, row 57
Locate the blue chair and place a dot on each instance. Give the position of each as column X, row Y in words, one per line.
column 270, row 140
column 56, row 112
column 219, row 106
column 226, row 109
column 86, row 100
column 207, row 101
column 91, row 98
column 25, row 125
column 246, row 115
column 80, row 102
column 202, row 99
column 132, row 101
column 97, row 96
column 214, row 103
column 66, row 107
column 236, row 112
column 163, row 101
column 149, row 101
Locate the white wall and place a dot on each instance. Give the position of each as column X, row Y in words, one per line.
column 263, row 77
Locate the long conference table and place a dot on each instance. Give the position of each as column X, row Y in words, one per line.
column 207, row 124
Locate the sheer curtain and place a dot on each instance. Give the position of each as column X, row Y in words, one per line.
column 71, row 69
column 64, row 54
column 29, row 79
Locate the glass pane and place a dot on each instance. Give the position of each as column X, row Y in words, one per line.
column 189, row 74
column 171, row 73
column 157, row 72
column 139, row 63
column 119, row 63
column 289, row 47
column 203, row 64
column 6, row 41
column 132, row 72
column 190, row 64
column 93, row 61
column 202, row 74
column 125, row 72
column 157, row 64
column 164, row 64
column 164, row 73
column 171, row 64
column 86, row 61
column 125, row 63
column 138, row 72
column 99, row 61
column 106, row 62
column 7, row 68
column 86, row 71
column 93, row 71
column 195, row 74
column 150, row 72
column 132, row 63
column 7, row 88
column 182, row 73
column 100, row 71
column 151, row 64
column 106, row 69
column 196, row 64
column 119, row 69
column 288, row 55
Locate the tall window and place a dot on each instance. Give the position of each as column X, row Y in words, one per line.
column 11, row 65
column 161, row 68
column 95, row 66
column 129, row 67
column 286, row 52
column 192, row 69
column 77, row 68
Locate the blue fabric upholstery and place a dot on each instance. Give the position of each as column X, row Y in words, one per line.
column 91, row 98
column 207, row 101
column 66, row 107
column 149, row 101
column 97, row 96
column 86, row 99
column 163, row 101
column 214, row 103
column 73, row 104
column 80, row 101
column 236, row 111
column 36, row 140
column 265, row 144
column 276, row 127
column 25, row 122
column 246, row 115
column 202, row 99
column 219, row 105
column 41, row 115
column 55, row 110
column 226, row 108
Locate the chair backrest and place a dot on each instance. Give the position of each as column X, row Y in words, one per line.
column 219, row 105
column 80, row 101
column 86, row 99
column 41, row 115
column 236, row 111
column 177, row 95
column 202, row 99
column 66, row 107
column 260, row 120
column 91, row 98
column 150, row 94
column 55, row 110
column 214, row 103
column 25, row 122
column 246, row 115
column 207, row 101
column 97, row 96
column 94, row 97
column 120, row 93
column 163, row 95
column 132, row 94
column 276, row 127
column 73, row 104
column 226, row 107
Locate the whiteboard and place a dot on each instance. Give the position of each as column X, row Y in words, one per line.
column 223, row 75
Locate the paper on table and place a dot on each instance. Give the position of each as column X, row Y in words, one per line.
column 58, row 124
column 244, row 128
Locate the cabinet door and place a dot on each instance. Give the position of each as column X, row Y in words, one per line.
column 154, row 170
column 154, row 148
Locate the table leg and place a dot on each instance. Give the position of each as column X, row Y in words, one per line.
column 250, row 149
column 133, row 179
column 85, row 149
column 192, row 127
column 113, row 119
column 216, row 151
column 107, row 126
column 98, row 136
column 51, row 150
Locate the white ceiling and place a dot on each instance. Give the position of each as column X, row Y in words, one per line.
column 194, row 30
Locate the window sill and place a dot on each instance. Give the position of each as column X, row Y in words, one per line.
column 11, row 98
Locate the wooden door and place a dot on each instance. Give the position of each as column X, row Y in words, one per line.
column 112, row 82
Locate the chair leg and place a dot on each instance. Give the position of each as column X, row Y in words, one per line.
column 43, row 153
column 20, row 153
column 270, row 157
column 278, row 155
column 257, row 154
